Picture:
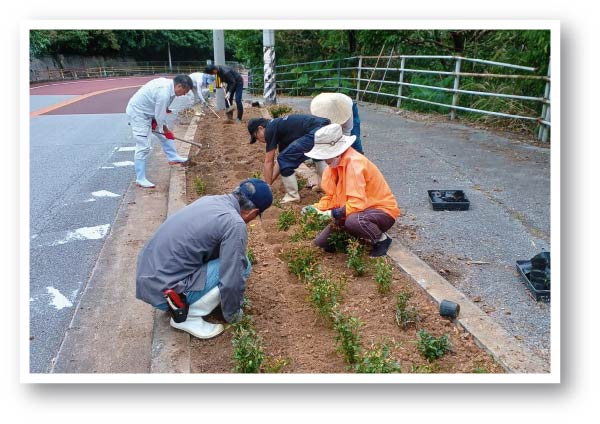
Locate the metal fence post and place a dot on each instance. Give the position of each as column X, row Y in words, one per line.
column 339, row 74
column 542, row 130
column 456, row 83
column 401, row 80
column 358, row 77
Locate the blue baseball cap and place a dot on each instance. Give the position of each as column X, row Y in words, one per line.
column 258, row 192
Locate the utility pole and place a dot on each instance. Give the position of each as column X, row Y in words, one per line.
column 270, row 93
column 219, row 48
column 169, row 51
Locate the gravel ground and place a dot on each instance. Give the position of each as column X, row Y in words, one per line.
column 508, row 184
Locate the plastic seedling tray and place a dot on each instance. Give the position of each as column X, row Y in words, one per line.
column 525, row 270
column 448, row 200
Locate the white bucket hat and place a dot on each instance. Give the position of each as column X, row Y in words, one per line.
column 336, row 107
column 330, row 142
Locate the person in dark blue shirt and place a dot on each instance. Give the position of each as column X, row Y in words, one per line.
column 235, row 88
column 292, row 136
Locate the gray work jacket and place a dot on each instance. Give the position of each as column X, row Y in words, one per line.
column 176, row 255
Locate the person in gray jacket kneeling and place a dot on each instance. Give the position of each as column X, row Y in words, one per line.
column 196, row 260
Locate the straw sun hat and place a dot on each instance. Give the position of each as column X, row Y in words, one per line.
column 336, row 107
column 330, row 142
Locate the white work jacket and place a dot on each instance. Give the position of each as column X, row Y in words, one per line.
column 150, row 101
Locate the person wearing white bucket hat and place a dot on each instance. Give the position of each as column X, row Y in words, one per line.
column 356, row 196
column 339, row 109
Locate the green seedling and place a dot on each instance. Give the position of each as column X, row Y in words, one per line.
column 286, row 219
column 383, row 274
column 311, row 223
column 199, row 186
column 348, row 336
column 257, row 174
column 248, row 352
column 432, row 348
column 356, row 258
column 280, row 110
column 301, row 182
column 405, row 316
column 377, row 360
column 302, row 262
column 338, row 239
column 251, row 257
column 275, row 365
column 480, row 369
column 277, row 203
column 324, row 294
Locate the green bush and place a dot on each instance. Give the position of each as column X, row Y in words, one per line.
column 383, row 274
column 278, row 111
column 248, row 352
column 199, row 186
column 286, row 219
column 356, row 258
column 405, row 316
column 302, row 262
column 377, row 360
column 348, row 336
column 432, row 348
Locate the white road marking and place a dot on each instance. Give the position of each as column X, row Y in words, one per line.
column 126, row 149
column 86, row 233
column 89, row 200
column 59, row 301
column 104, row 193
column 107, row 167
column 125, row 163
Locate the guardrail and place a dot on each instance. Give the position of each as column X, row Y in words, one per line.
column 365, row 79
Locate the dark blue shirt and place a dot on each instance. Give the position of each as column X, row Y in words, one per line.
column 281, row 132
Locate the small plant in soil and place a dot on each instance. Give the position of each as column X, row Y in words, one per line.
column 432, row 348
column 275, row 365
column 302, row 262
column 383, row 274
column 279, row 110
column 257, row 174
column 311, row 223
column 286, row 219
column 251, row 257
column 480, row 369
column 405, row 316
column 377, row 360
column 277, row 203
column 248, row 352
column 302, row 182
column 356, row 258
column 199, row 186
column 338, row 239
column 324, row 294
column 348, row 336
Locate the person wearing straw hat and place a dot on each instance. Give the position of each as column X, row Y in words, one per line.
column 199, row 253
column 339, row 109
column 356, row 196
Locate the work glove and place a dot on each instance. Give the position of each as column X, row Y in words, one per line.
column 168, row 134
column 338, row 213
column 312, row 208
column 154, row 124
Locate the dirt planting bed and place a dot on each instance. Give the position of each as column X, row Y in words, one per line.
column 291, row 332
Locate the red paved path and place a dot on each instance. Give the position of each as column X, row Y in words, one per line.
column 111, row 102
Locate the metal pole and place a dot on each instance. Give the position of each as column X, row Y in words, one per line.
column 169, row 51
column 339, row 75
column 456, row 82
column 401, row 80
column 270, row 92
column 219, row 48
column 545, row 107
column 358, row 79
column 546, row 128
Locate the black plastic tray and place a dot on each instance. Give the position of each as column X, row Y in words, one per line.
column 524, row 268
column 448, row 200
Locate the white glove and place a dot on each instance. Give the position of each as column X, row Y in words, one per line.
column 312, row 208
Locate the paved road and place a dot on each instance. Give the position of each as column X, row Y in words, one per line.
column 508, row 185
column 81, row 164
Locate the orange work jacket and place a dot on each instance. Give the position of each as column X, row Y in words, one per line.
column 357, row 184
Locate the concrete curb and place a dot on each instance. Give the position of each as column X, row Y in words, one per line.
column 171, row 350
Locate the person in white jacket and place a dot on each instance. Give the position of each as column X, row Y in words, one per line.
column 200, row 89
column 147, row 111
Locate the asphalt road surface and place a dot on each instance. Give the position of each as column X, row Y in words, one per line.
column 81, row 164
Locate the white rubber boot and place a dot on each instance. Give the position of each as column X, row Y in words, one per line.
column 197, row 327
column 140, row 174
column 206, row 304
column 291, row 187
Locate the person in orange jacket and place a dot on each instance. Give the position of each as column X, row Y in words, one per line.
column 356, row 196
